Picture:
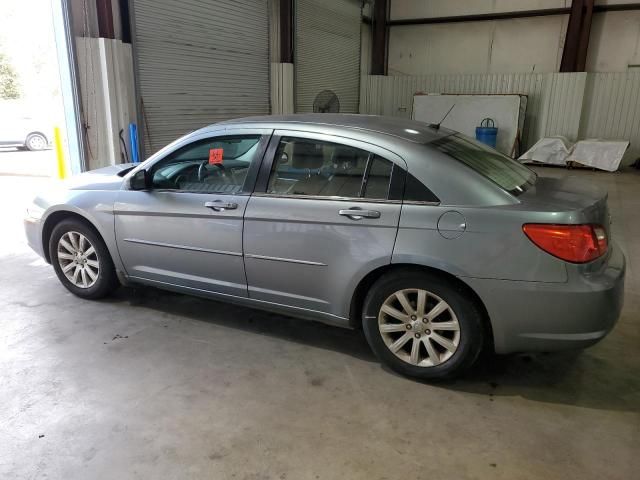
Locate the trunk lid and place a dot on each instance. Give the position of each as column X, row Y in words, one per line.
column 585, row 202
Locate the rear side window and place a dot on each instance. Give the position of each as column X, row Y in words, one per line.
column 509, row 174
column 325, row 169
column 415, row 191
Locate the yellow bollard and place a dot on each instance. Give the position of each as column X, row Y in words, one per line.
column 62, row 171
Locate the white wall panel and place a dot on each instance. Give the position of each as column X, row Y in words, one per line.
column 612, row 109
column 505, row 46
column 282, row 88
column 108, row 104
column 614, row 45
column 532, row 44
column 401, row 9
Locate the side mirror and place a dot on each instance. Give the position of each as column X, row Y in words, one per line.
column 140, row 181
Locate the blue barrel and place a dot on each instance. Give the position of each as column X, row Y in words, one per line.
column 487, row 132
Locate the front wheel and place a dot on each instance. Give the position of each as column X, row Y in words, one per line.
column 81, row 260
column 422, row 325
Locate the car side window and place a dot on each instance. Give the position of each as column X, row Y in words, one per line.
column 325, row 169
column 212, row 165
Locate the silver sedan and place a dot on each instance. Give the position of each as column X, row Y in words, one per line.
column 435, row 245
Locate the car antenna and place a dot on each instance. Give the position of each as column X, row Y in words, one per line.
column 436, row 126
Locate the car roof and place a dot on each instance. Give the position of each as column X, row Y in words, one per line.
column 406, row 129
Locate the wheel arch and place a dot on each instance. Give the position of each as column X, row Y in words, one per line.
column 360, row 292
column 37, row 132
column 54, row 219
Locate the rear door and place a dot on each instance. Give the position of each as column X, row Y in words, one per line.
column 325, row 212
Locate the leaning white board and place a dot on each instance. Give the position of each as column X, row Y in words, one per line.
column 507, row 111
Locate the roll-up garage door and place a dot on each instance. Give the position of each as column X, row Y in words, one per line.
column 199, row 62
column 327, row 55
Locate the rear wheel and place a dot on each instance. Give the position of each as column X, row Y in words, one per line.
column 36, row 142
column 422, row 325
column 81, row 260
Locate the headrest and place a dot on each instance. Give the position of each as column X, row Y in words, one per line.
column 307, row 155
column 344, row 154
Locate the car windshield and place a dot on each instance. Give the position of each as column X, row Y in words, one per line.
column 509, row 174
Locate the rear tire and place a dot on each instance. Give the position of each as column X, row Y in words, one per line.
column 422, row 325
column 35, row 142
column 81, row 260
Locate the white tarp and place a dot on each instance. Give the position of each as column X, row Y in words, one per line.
column 602, row 154
column 550, row 150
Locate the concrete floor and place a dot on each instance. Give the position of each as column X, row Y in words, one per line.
column 150, row 384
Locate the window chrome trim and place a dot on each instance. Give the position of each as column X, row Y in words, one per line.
column 321, row 197
column 182, row 247
column 421, row 202
column 288, row 260
column 196, row 192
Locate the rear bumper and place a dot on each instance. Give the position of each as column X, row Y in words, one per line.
column 538, row 316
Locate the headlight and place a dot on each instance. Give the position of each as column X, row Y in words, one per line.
column 34, row 212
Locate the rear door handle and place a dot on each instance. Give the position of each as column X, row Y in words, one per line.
column 359, row 214
column 220, row 206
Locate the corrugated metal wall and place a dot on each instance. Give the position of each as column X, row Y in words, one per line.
column 199, row 62
column 575, row 105
column 327, row 52
column 274, row 31
column 394, row 96
column 612, row 108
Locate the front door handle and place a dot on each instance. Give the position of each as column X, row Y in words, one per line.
column 358, row 214
column 220, row 206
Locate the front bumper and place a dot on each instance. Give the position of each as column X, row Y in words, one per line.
column 33, row 232
column 539, row 316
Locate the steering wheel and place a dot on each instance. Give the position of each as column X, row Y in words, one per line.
column 202, row 170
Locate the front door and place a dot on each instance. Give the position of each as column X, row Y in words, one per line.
column 186, row 229
column 325, row 217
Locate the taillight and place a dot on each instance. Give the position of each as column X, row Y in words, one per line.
column 572, row 243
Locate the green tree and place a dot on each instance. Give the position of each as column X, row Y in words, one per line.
column 9, row 87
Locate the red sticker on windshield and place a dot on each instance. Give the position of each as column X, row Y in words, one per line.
column 215, row 155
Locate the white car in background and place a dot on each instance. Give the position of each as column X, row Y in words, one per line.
column 21, row 129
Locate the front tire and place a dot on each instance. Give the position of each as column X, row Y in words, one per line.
column 81, row 260
column 422, row 325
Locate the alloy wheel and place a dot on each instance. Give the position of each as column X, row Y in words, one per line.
column 419, row 327
column 78, row 259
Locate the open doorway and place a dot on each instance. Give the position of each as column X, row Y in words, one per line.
column 30, row 94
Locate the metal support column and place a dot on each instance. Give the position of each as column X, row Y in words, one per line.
column 380, row 42
column 574, row 54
